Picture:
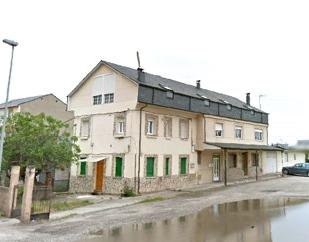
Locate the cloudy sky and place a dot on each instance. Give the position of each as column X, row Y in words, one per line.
column 234, row 47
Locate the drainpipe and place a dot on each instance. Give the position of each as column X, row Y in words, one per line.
column 139, row 149
column 225, row 168
column 256, row 165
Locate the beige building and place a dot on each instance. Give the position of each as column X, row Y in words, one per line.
column 50, row 105
column 151, row 133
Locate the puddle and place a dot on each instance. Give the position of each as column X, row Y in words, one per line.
column 267, row 220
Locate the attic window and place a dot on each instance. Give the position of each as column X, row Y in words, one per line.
column 207, row 102
column 165, row 87
column 170, row 94
column 228, row 107
column 226, row 102
column 252, row 112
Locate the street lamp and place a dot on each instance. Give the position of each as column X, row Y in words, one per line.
column 13, row 44
column 260, row 96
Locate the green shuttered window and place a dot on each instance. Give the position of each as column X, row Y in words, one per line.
column 183, row 165
column 167, row 166
column 118, row 167
column 82, row 168
column 150, row 167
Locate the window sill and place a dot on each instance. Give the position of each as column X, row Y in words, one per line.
column 184, row 139
column 84, row 138
column 150, row 177
column 119, row 136
column 117, row 177
column 168, row 138
column 151, row 136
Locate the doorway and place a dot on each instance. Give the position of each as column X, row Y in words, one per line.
column 216, row 168
column 99, row 176
column 244, row 163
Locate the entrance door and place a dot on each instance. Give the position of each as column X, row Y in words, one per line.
column 99, row 176
column 216, row 167
column 244, row 163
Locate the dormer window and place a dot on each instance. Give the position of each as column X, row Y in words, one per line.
column 207, row 102
column 252, row 112
column 228, row 107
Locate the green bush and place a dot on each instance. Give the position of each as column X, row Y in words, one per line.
column 127, row 191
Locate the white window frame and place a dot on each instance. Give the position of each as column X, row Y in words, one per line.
column 217, row 130
column 260, row 132
column 150, row 128
column 97, row 99
column 82, row 128
column 120, row 127
column 186, row 124
column 109, row 98
column 236, row 129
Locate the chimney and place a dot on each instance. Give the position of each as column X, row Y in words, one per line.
column 141, row 74
column 198, row 84
column 248, row 99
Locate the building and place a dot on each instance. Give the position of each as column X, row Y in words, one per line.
column 50, row 105
column 297, row 153
column 151, row 133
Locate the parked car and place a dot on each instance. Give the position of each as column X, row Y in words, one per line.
column 297, row 169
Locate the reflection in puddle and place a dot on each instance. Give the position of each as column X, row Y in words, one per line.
column 268, row 220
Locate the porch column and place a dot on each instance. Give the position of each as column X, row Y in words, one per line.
column 225, row 167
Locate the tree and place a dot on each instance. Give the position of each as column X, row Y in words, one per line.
column 39, row 141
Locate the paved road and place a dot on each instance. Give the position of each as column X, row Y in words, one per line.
column 97, row 217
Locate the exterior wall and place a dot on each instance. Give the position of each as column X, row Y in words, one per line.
column 50, row 105
column 248, row 130
column 4, row 192
column 125, row 96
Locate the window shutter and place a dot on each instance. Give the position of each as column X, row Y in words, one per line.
column 109, row 84
column 167, row 166
column 118, row 169
column 183, row 165
column 97, row 87
column 83, row 168
column 150, row 167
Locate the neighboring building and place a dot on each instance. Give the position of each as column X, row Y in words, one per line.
column 50, row 105
column 152, row 133
column 297, row 153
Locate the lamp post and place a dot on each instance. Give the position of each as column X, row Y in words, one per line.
column 13, row 44
column 260, row 96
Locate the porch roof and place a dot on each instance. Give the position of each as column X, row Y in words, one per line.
column 233, row 146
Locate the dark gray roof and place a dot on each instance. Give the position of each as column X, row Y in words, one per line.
column 17, row 102
column 178, row 87
column 233, row 146
column 159, row 82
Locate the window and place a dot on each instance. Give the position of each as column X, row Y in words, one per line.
column 238, row 132
column 151, row 125
column 85, row 128
column 170, row 94
column 258, row 135
column 228, row 107
column 120, row 127
column 109, row 98
column 307, row 158
column 167, row 166
column 199, row 157
column 219, row 130
column 294, row 156
column 255, row 159
column 232, row 158
column 184, row 128
column 168, row 127
column 97, row 99
column 183, row 165
column 118, row 167
column 82, row 168
column 206, row 102
column 252, row 112
column 150, row 166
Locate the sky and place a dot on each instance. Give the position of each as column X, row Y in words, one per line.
column 233, row 47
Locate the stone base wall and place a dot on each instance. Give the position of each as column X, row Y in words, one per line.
column 234, row 174
column 81, row 184
column 116, row 185
column 4, row 191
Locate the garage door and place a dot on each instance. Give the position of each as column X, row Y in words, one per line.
column 270, row 163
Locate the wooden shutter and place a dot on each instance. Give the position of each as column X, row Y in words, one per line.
column 150, row 167
column 167, row 166
column 118, row 168
column 83, row 168
column 183, row 165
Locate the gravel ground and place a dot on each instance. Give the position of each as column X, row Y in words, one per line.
column 81, row 226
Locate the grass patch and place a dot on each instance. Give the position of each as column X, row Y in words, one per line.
column 67, row 205
column 153, row 199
